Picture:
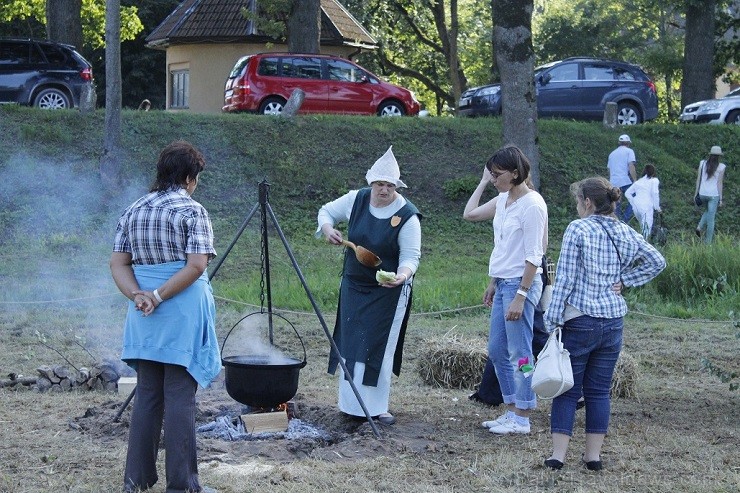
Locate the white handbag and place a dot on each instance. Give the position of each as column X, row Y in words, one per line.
column 553, row 374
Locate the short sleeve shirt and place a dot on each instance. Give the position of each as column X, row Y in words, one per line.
column 164, row 227
column 618, row 164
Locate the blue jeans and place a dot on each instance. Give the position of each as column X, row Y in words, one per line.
column 624, row 208
column 510, row 340
column 707, row 219
column 594, row 345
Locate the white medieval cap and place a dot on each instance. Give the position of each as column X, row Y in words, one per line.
column 386, row 169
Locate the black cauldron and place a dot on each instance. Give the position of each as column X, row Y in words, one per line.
column 260, row 380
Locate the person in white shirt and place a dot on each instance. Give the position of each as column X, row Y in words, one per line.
column 644, row 197
column 622, row 173
column 519, row 217
column 709, row 182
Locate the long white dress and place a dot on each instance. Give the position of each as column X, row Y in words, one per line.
column 644, row 196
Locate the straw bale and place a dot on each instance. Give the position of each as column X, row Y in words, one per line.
column 626, row 374
column 452, row 362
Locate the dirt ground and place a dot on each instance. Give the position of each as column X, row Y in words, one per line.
column 678, row 434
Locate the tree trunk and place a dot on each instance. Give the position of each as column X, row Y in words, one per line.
column 698, row 71
column 64, row 21
column 110, row 163
column 448, row 38
column 304, row 27
column 512, row 35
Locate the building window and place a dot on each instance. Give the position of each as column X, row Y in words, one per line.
column 180, row 90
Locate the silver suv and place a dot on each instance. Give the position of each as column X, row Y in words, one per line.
column 41, row 73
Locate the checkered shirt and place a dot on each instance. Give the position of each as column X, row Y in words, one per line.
column 164, row 227
column 589, row 266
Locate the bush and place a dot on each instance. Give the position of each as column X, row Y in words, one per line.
column 698, row 271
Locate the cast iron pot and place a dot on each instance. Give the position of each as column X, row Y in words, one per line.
column 259, row 380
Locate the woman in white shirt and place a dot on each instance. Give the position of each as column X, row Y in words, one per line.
column 519, row 217
column 709, row 180
column 644, row 196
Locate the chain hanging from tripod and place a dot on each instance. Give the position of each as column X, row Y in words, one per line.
column 263, row 234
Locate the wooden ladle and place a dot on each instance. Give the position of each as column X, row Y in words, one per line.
column 363, row 255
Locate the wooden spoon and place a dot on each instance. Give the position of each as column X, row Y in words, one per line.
column 363, row 255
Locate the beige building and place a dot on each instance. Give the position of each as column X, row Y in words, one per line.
column 203, row 39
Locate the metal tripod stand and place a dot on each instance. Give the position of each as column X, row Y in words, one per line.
column 264, row 206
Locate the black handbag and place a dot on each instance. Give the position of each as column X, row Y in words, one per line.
column 697, row 198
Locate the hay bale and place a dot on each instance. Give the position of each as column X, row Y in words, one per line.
column 452, row 362
column 624, row 380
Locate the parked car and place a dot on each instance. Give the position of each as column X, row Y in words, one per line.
column 722, row 110
column 263, row 83
column 42, row 73
column 577, row 88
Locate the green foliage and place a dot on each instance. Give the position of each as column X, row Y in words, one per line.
column 92, row 14
column 458, row 188
column 696, row 271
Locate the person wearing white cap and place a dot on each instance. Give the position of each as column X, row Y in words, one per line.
column 709, row 181
column 622, row 173
column 372, row 312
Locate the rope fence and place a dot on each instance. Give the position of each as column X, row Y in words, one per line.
column 306, row 313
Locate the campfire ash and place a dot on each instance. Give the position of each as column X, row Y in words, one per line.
column 232, row 429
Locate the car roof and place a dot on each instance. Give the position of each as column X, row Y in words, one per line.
column 42, row 41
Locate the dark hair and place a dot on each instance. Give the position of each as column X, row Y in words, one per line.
column 649, row 171
column 603, row 195
column 177, row 162
column 712, row 164
column 510, row 158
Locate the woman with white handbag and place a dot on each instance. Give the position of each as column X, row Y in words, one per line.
column 597, row 252
column 519, row 217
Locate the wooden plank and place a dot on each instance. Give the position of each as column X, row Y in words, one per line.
column 265, row 422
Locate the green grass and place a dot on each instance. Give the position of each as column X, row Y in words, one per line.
column 57, row 221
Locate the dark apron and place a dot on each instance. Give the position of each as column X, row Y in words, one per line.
column 366, row 310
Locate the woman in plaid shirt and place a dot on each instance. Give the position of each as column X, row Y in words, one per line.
column 163, row 244
column 598, row 251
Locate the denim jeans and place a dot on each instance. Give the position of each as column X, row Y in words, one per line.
column 707, row 219
column 624, row 208
column 594, row 345
column 510, row 340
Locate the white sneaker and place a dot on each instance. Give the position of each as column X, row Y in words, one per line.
column 510, row 426
column 498, row 421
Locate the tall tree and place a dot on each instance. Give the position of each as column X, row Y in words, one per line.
column 64, row 21
column 698, row 71
column 304, row 26
column 110, row 162
column 512, row 34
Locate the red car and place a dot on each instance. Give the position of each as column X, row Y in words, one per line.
column 263, row 83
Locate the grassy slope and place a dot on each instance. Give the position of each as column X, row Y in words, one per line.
column 310, row 160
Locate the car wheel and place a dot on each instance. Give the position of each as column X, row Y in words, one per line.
column 628, row 114
column 733, row 117
column 52, row 99
column 272, row 106
column 391, row 108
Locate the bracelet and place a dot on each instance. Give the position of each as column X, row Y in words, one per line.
column 523, row 288
column 405, row 277
column 157, row 296
column 522, row 292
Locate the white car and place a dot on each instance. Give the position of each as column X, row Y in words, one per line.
column 723, row 110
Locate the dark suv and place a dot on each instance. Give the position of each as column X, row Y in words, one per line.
column 577, row 88
column 40, row 73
